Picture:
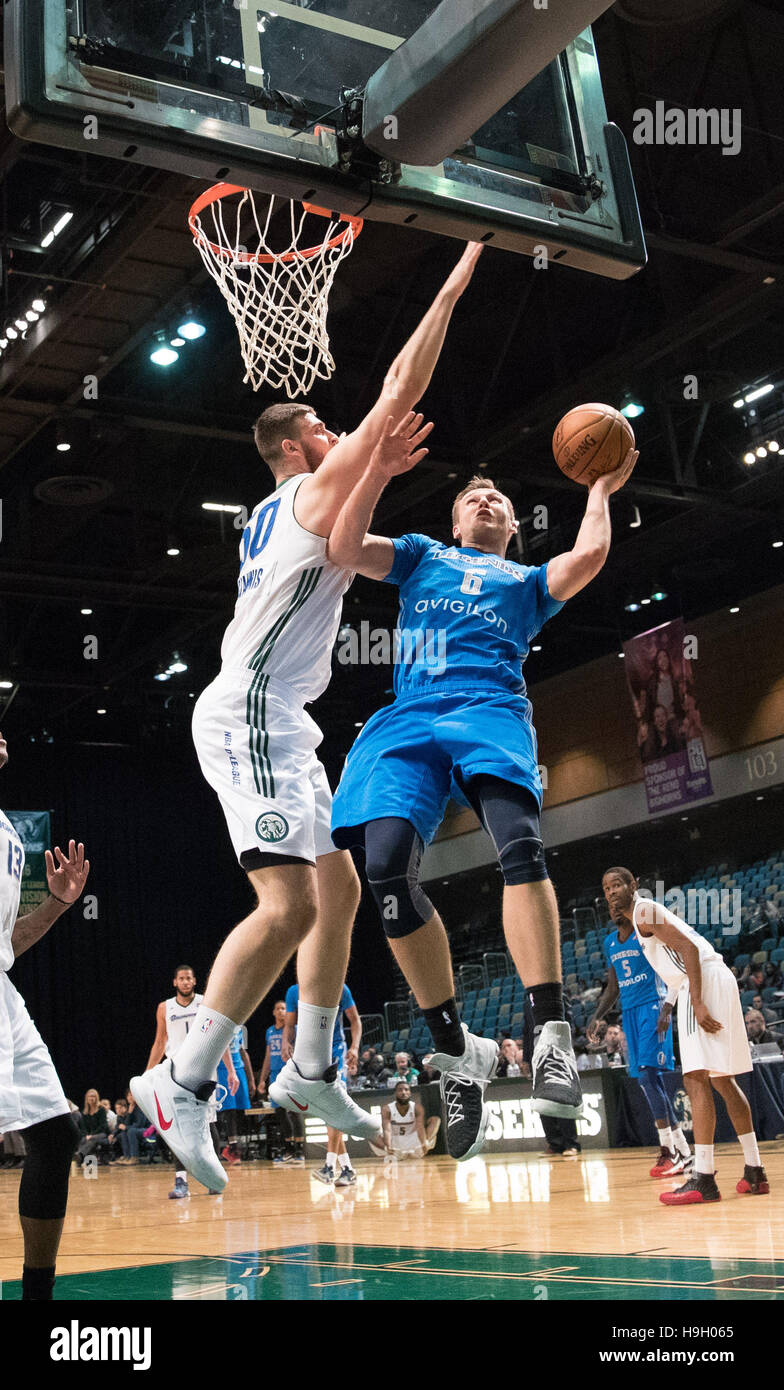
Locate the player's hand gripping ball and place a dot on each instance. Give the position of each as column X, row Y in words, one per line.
column 591, row 440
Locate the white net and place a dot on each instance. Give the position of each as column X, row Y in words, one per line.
column 278, row 298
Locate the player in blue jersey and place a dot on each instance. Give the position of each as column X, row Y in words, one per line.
column 345, row 1060
column 236, row 1098
column 461, row 725
column 632, row 983
column 291, row 1126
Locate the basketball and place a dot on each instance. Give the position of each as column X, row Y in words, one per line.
column 591, row 440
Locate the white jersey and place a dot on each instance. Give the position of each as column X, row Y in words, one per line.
column 289, row 598
column 403, row 1126
column 179, row 1018
column 665, row 960
column 12, row 858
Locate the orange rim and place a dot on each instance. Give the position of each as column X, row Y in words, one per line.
column 224, row 190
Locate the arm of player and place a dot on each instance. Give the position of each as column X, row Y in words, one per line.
column 386, row 1126
column 419, row 1117
column 66, row 884
column 231, row 1072
column 248, row 1069
column 568, row 573
column 649, row 915
column 159, row 1045
column 265, row 1069
column 355, row 1024
column 287, row 1038
column 604, row 1003
column 396, row 452
column 321, row 496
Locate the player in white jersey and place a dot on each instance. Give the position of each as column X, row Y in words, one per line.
column 256, row 745
column 711, row 1034
column 31, row 1097
column 173, row 1020
column 406, row 1134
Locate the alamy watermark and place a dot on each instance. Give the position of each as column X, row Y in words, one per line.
column 694, row 126
column 378, row 646
column 704, row 907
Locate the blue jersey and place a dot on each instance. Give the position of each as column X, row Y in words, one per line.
column 346, row 1002
column 274, row 1037
column 466, row 618
column 236, row 1045
column 638, row 983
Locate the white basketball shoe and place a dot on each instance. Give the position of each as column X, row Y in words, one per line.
column 181, row 1117
column 326, row 1098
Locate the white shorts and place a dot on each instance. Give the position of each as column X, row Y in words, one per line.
column 30, row 1089
column 722, row 1054
column 256, row 746
column 405, row 1145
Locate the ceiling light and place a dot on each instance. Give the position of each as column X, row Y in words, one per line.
column 22, row 325
column 755, row 395
column 177, row 342
column 761, row 451
column 536, row 649
column 190, row 327
column 100, row 711
column 658, row 596
column 622, row 655
column 177, row 666
column 630, row 407
column 632, row 607
column 644, row 600
column 232, row 507
column 773, row 445
column 734, row 610
column 173, row 550
column 86, row 611
column 750, row 457
column 63, row 443
column 777, row 545
column 162, row 355
column 32, row 316
column 11, row 332
column 636, row 518
column 39, row 305
column 6, row 685
column 3, row 344
column 738, row 404
column 163, row 676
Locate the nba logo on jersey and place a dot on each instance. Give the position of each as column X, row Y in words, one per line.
column 472, row 583
column 206, row 1025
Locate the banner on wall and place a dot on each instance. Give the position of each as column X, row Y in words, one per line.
column 35, row 831
column 669, row 732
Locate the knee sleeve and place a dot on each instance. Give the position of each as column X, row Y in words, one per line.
column 655, row 1094
column 43, row 1190
column 510, row 815
column 393, row 853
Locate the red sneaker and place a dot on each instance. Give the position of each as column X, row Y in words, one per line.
column 669, row 1164
column 754, row 1180
column 701, row 1187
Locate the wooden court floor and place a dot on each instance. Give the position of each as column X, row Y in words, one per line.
column 504, row 1227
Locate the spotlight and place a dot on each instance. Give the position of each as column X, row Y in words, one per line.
column 630, row 407
column 761, row 451
column 190, row 328
column 100, row 711
column 162, row 676
column 777, row 545
column 63, row 444
column 56, row 229
column 749, row 457
column 734, row 610
column 173, row 550
column 232, row 507
column 658, row 596
column 177, row 342
column 85, row 612
column 3, row 344
column 632, row 607
column 39, row 305
column 162, row 355
column 11, row 332
column 644, row 600
column 773, row 445
column 536, row 648
column 177, row 665
column 636, row 518
column 755, row 395
column 22, row 325
column 32, row 316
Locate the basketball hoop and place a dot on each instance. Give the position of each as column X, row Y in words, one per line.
column 277, row 298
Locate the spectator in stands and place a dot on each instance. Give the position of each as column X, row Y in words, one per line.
column 403, row 1071
column 769, row 1015
column 119, row 1132
column 615, row 1046
column 756, row 1030
column 111, row 1117
column 773, row 976
column 93, row 1125
column 378, row 1073
column 753, row 977
column 511, row 1063
column 771, row 913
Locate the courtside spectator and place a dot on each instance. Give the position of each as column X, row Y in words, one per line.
column 757, row 1032
column 93, row 1125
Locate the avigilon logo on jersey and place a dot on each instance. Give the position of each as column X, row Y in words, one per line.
column 272, row 827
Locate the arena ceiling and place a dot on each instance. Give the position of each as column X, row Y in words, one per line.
column 91, row 527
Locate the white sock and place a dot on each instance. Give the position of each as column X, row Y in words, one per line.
column 680, row 1142
column 197, row 1060
column 751, row 1153
column 181, row 1173
column 313, row 1048
column 344, row 1160
column 703, row 1158
column 332, row 1161
column 665, row 1136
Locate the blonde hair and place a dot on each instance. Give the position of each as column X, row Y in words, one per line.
column 473, row 484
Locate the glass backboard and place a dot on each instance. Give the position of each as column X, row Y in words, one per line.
column 249, row 93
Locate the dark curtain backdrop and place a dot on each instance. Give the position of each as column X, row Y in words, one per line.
column 168, row 888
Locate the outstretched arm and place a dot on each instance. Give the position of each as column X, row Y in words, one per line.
column 159, row 1042
column 321, row 495
column 650, row 916
column 66, row 884
column 396, row 452
column 608, row 997
column 567, row 574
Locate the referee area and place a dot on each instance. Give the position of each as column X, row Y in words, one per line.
column 391, row 534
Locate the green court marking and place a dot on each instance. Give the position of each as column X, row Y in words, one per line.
column 369, row 1273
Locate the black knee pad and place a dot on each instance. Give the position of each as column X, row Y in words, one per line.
column 43, row 1190
column 510, row 815
column 393, row 853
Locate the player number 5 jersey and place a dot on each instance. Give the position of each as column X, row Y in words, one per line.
column 289, row 598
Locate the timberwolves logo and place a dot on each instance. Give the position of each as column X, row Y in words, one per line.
column 272, row 827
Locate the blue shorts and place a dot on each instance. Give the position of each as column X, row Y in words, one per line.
column 413, row 755
column 341, row 1058
column 240, row 1101
column 646, row 1048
